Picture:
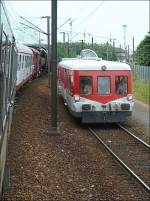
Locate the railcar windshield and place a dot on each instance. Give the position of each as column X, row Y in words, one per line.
column 85, row 85
column 121, row 83
column 103, row 85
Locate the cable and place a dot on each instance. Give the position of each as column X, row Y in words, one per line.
column 86, row 18
column 40, row 30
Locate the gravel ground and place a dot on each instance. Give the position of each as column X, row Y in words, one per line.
column 71, row 166
column 141, row 113
column 140, row 119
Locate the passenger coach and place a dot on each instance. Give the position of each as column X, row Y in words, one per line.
column 94, row 90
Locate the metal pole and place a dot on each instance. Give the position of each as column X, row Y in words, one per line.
column 128, row 55
column 92, row 42
column 113, row 51
column 84, row 35
column 63, row 37
column 125, row 48
column 107, row 52
column 63, row 40
column 39, row 40
column 68, row 44
column 54, row 128
column 120, row 53
column 70, row 30
column 82, row 44
column 133, row 51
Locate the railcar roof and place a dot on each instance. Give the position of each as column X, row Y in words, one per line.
column 35, row 50
column 23, row 49
column 81, row 64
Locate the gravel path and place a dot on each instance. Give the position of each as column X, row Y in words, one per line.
column 69, row 167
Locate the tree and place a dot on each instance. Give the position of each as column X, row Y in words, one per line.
column 75, row 49
column 142, row 54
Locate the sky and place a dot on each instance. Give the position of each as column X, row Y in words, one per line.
column 101, row 19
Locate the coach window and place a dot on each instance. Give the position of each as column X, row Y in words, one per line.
column 28, row 61
column 3, row 51
column 103, row 85
column 22, row 61
column 19, row 61
column 121, row 83
column 70, row 79
column 85, row 85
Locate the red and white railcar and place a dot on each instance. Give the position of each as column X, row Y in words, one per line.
column 96, row 91
column 25, row 66
column 36, row 62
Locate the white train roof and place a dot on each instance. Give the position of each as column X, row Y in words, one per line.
column 84, row 64
column 23, row 49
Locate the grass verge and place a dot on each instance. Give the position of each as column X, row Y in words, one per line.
column 141, row 90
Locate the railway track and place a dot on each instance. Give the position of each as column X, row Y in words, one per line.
column 130, row 151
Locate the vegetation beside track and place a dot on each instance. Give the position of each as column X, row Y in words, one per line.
column 141, row 90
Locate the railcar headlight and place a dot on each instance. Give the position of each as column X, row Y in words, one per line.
column 86, row 107
column 76, row 98
column 125, row 106
column 129, row 97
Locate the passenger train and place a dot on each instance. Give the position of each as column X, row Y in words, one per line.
column 95, row 90
column 18, row 65
column 29, row 64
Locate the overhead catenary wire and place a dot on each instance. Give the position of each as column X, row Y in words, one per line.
column 40, row 30
column 88, row 16
column 33, row 28
column 70, row 19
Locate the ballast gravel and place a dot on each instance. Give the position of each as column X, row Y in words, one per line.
column 71, row 166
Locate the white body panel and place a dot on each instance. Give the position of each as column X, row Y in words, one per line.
column 24, row 70
column 82, row 64
column 97, row 106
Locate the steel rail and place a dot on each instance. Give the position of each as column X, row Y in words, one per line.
column 121, row 162
column 129, row 132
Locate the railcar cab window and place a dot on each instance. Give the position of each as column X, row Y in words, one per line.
column 103, row 85
column 85, row 85
column 121, row 85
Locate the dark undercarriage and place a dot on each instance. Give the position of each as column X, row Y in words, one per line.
column 102, row 117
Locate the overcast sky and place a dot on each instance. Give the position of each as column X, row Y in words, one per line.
column 102, row 19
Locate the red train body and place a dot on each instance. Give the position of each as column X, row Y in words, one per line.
column 91, row 89
column 36, row 62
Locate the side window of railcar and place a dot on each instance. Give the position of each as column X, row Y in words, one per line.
column 70, row 84
column 85, row 85
column 22, row 61
column 121, row 83
column 28, row 61
column 104, row 85
column 19, row 61
column 3, row 53
column 31, row 60
column 25, row 61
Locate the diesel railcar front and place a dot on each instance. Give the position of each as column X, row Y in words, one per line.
column 96, row 91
